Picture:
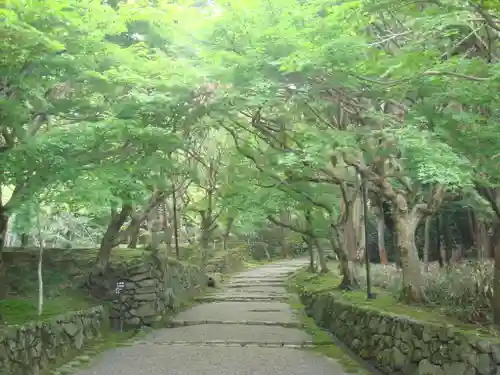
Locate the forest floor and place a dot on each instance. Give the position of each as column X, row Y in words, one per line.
column 384, row 301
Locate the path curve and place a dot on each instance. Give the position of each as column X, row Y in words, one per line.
column 245, row 329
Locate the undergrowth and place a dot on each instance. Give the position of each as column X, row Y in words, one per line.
column 463, row 290
column 385, row 301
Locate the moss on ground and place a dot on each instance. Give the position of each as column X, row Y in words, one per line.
column 20, row 310
column 350, row 365
column 384, row 302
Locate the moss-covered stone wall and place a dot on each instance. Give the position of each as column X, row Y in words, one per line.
column 152, row 287
column 402, row 345
column 31, row 348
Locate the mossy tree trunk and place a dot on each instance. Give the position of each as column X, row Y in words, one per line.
column 323, row 263
column 406, row 223
column 310, row 251
column 346, row 266
column 353, row 234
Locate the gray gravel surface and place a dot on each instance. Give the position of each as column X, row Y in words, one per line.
column 153, row 356
column 192, row 360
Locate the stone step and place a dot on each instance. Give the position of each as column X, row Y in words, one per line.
column 264, row 293
column 183, row 323
column 263, row 278
column 241, row 299
column 253, row 285
column 240, row 343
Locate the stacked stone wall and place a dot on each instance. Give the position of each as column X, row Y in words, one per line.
column 152, row 288
column 402, row 345
column 33, row 347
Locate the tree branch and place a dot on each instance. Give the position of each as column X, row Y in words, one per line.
column 294, row 228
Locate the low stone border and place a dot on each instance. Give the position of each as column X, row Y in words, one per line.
column 33, row 347
column 402, row 345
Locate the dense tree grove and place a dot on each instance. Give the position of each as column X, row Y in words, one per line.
column 258, row 121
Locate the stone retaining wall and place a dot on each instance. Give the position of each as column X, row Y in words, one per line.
column 401, row 345
column 31, row 348
column 152, row 288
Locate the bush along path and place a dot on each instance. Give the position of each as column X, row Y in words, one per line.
column 246, row 327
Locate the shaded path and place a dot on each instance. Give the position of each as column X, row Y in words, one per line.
column 245, row 329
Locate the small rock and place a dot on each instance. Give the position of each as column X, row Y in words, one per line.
column 83, row 358
column 145, row 297
column 70, row 328
column 495, row 353
column 147, row 283
column 484, row 346
column 398, row 359
column 146, row 309
column 484, row 364
column 455, row 368
column 427, row 368
column 140, row 277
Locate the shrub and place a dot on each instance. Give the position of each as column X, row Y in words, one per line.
column 464, row 290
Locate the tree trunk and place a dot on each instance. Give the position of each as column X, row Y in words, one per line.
column 227, row 232
column 346, row 266
column 4, row 221
column 413, row 280
column 496, row 276
column 482, row 240
column 156, row 226
column 442, row 255
column 205, row 235
column 447, row 240
column 353, row 228
column 310, row 251
column 381, row 239
column 427, row 242
column 134, row 238
column 111, row 235
column 24, row 240
column 175, row 226
column 359, row 228
column 40, row 262
column 349, row 281
column 323, row 263
column 139, row 217
column 284, row 218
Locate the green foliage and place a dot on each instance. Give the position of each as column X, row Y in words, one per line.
column 247, row 113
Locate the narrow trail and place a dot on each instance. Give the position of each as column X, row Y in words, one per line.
column 245, row 329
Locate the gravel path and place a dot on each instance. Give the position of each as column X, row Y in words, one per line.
column 225, row 336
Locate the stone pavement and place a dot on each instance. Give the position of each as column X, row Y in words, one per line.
column 246, row 329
